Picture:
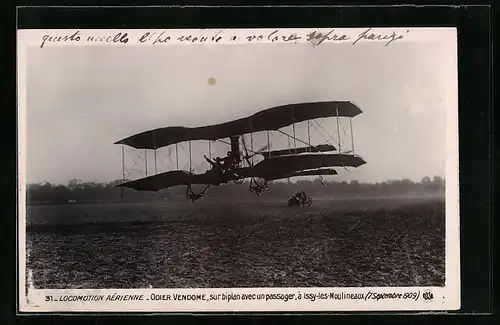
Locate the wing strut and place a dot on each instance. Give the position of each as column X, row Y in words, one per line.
column 251, row 145
column 190, row 161
column 352, row 136
column 177, row 155
column 123, row 162
column 338, row 131
column 268, row 143
column 289, row 152
column 123, row 168
column 155, row 163
column 154, row 144
column 288, row 137
column 294, row 138
column 309, row 134
column 146, row 161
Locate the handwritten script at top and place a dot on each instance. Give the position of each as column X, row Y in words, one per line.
column 315, row 37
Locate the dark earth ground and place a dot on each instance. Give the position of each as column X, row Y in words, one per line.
column 335, row 243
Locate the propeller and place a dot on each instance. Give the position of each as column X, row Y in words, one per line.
column 249, row 155
column 257, row 151
column 246, row 157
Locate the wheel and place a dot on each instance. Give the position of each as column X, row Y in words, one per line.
column 238, row 182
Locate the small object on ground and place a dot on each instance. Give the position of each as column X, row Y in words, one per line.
column 300, row 198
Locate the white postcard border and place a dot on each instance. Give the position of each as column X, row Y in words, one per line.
column 273, row 299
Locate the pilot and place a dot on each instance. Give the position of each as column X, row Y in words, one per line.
column 231, row 162
column 224, row 165
column 216, row 163
column 227, row 160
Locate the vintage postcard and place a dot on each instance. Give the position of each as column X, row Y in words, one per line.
column 248, row 170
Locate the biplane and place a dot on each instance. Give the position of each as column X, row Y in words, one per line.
column 241, row 163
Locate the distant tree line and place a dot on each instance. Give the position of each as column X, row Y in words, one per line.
column 78, row 192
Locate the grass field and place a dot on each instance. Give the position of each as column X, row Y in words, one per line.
column 258, row 243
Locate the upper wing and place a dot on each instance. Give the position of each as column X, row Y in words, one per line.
column 172, row 178
column 269, row 119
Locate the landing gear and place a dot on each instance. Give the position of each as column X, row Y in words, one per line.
column 256, row 187
column 238, row 181
column 190, row 195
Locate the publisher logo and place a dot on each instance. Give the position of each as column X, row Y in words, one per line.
column 428, row 295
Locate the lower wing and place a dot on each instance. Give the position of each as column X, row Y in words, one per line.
column 316, row 172
column 171, row 178
column 298, row 163
column 271, row 168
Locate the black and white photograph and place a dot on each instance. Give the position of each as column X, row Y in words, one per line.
column 320, row 159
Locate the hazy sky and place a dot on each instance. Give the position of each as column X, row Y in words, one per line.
column 81, row 100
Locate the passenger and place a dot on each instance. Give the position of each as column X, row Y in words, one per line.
column 216, row 164
column 225, row 166
column 228, row 160
column 229, row 165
